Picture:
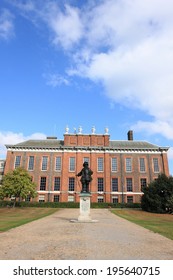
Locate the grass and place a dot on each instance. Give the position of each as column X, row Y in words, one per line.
column 14, row 217
column 158, row 223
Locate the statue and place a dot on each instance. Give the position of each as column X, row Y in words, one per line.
column 86, row 178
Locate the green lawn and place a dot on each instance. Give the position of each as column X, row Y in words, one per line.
column 14, row 217
column 160, row 223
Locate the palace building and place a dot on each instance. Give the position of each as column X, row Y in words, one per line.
column 120, row 168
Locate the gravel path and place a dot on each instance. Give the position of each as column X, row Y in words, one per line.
column 56, row 238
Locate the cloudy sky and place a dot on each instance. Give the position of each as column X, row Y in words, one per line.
column 102, row 63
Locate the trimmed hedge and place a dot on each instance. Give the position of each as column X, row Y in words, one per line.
column 67, row 204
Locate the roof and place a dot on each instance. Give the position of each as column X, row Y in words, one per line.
column 132, row 145
column 47, row 143
column 113, row 144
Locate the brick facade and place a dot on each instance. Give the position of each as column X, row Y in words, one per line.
column 119, row 167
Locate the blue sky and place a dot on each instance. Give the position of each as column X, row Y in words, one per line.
column 104, row 63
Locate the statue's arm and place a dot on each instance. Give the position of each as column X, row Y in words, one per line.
column 79, row 174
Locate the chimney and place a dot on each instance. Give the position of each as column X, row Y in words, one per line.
column 130, row 135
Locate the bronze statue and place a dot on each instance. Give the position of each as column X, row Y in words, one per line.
column 86, row 178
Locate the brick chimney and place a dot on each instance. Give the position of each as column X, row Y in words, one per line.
column 130, row 135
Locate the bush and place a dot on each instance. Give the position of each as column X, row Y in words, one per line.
column 68, row 204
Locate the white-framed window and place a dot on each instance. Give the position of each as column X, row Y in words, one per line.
column 128, row 164
column 156, row 165
column 100, row 199
column 143, row 182
column 114, row 184
column 71, row 184
column 42, row 183
column 17, row 161
column 56, row 198
column 129, row 184
column 100, row 184
column 129, row 199
column 58, row 164
column 41, row 198
column 31, row 163
column 86, row 159
column 115, row 199
column 57, row 183
column 114, row 166
column 44, row 163
column 28, row 198
column 70, row 198
column 142, row 164
column 72, row 164
column 100, row 164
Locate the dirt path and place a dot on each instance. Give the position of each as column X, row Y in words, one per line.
column 55, row 237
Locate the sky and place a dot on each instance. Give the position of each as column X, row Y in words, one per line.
column 102, row 63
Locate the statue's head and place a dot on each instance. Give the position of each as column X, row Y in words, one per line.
column 85, row 164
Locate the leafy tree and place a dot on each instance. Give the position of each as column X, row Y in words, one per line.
column 157, row 195
column 17, row 185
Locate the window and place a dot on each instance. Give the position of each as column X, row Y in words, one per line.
column 31, row 163
column 156, row 165
column 70, row 198
column 58, row 164
column 71, row 184
column 17, row 161
column 129, row 184
column 41, row 198
column 100, row 164
column 72, row 164
column 114, row 184
column 56, row 183
column 142, row 164
column 115, row 199
column 28, row 198
column 143, row 182
column 44, row 163
column 42, row 183
column 100, row 199
column 114, row 164
column 128, row 165
column 56, row 198
column 100, row 184
column 86, row 159
column 129, row 199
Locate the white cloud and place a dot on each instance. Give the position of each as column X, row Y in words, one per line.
column 154, row 127
column 55, row 80
column 8, row 137
column 6, row 24
column 125, row 45
column 67, row 27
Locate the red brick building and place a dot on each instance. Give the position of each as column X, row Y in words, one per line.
column 120, row 168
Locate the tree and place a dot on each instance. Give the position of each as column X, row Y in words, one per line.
column 158, row 194
column 17, row 185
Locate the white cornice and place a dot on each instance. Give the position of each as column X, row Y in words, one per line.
column 87, row 150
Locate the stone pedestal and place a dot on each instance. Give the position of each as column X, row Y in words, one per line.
column 84, row 216
column 84, row 207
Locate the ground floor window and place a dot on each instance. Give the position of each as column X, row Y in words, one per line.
column 71, row 184
column 41, row 198
column 114, row 185
column 129, row 184
column 143, row 182
column 100, row 199
column 115, row 199
column 56, row 183
column 42, row 183
column 28, row 198
column 129, row 199
column 56, row 198
column 100, row 184
column 70, row 198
